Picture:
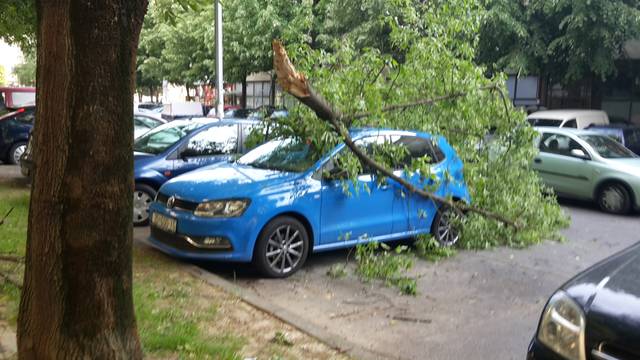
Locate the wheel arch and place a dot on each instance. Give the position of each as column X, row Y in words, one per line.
column 296, row 215
column 607, row 181
column 148, row 182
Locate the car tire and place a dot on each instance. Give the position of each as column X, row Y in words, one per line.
column 15, row 152
column 614, row 198
column 143, row 196
column 282, row 247
column 443, row 230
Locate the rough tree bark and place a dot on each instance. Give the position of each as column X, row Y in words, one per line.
column 296, row 84
column 77, row 298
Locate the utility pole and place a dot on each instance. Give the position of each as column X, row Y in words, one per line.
column 219, row 68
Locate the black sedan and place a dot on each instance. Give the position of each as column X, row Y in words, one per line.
column 596, row 315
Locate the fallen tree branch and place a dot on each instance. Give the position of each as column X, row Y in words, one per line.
column 12, row 258
column 296, row 84
column 6, row 216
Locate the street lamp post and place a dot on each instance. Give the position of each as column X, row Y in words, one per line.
column 219, row 68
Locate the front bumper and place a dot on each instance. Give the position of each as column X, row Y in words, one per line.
column 240, row 232
column 538, row 351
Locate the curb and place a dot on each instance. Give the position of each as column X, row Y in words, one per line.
column 334, row 341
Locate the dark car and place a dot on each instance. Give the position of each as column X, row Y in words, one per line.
column 14, row 134
column 627, row 135
column 596, row 315
column 181, row 146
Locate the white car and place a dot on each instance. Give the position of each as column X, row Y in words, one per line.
column 577, row 119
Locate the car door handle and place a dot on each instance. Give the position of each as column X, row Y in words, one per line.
column 537, row 160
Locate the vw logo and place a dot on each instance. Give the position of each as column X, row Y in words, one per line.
column 171, row 201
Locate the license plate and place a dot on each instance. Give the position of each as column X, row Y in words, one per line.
column 164, row 223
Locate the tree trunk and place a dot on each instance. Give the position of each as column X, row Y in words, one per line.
column 243, row 97
column 272, row 90
column 77, row 300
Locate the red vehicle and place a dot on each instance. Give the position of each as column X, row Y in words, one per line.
column 15, row 97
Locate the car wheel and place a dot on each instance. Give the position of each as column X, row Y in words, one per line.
column 444, row 227
column 143, row 196
column 16, row 152
column 282, row 247
column 614, row 198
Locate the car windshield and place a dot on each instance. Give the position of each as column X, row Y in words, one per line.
column 545, row 122
column 163, row 137
column 607, row 147
column 291, row 155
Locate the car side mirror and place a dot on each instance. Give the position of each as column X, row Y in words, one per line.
column 580, row 154
column 186, row 154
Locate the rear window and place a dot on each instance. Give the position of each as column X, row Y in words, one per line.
column 545, row 122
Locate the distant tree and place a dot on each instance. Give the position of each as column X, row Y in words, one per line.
column 26, row 70
column 565, row 39
column 3, row 79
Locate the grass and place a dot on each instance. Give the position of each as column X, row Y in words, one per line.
column 170, row 315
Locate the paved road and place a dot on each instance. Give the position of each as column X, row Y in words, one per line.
column 476, row 305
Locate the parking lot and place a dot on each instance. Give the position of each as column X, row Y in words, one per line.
column 481, row 304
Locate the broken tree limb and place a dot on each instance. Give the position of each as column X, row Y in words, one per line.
column 12, row 258
column 5, row 216
column 296, row 84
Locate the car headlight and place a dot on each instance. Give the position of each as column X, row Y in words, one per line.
column 222, row 208
column 562, row 327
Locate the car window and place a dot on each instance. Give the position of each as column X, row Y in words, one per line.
column 418, row 147
column 559, row 144
column 163, row 137
column 545, row 122
column 291, row 155
column 26, row 117
column 571, row 124
column 607, row 147
column 216, row 140
column 146, row 122
column 346, row 156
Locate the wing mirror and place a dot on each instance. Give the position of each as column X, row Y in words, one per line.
column 580, row 154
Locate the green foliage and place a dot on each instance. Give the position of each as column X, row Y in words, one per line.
column 567, row 39
column 437, row 42
column 428, row 248
column 3, row 78
column 375, row 260
column 18, row 23
column 281, row 338
column 26, row 71
column 337, row 271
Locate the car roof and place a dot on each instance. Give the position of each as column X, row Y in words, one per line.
column 563, row 114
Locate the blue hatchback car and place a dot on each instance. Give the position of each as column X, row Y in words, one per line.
column 282, row 201
column 180, row 146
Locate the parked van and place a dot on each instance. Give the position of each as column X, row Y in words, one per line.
column 186, row 110
column 578, row 119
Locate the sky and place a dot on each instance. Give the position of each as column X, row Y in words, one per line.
column 9, row 57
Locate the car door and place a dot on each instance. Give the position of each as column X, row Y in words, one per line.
column 412, row 212
column 360, row 210
column 559, row 169
column 212, row 145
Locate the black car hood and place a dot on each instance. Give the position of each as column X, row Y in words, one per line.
column 609, row 294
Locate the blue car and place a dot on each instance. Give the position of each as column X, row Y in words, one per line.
column 14, row 134
column 282, row 201
column 180, row 146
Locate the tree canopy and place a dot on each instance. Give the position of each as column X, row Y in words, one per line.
column 18, row 23
column 566, row 39
column 26, row 70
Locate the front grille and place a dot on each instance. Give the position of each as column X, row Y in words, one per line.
column 608, row 351
column 179, row 242
column 178, row 203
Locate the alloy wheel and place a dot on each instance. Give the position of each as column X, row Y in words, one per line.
column 141, row 202
column 285, row 249
column 446, row 231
